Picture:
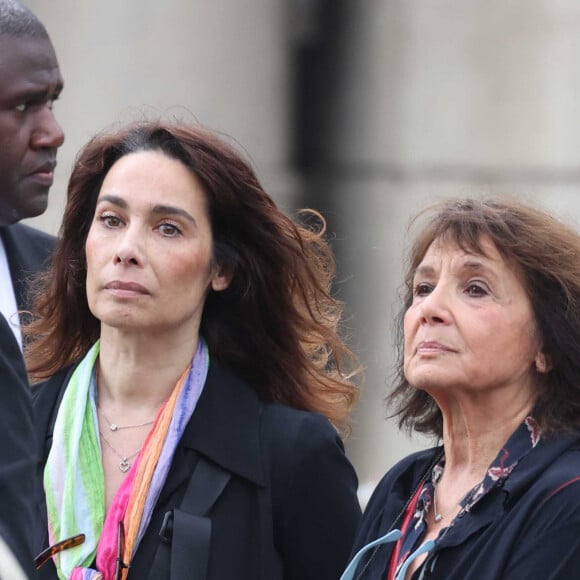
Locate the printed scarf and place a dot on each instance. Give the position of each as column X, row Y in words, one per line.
column 74, row 479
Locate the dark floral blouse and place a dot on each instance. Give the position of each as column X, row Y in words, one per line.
column 521, row 442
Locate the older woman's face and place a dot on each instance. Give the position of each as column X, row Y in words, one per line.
column 470, row 326
column 149, row 247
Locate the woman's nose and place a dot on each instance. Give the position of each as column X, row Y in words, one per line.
column 125, row 258
column 129, row 251
column 435, row 306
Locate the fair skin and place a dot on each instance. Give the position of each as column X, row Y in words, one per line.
column 30, row 82
column 149, row 270
column 471, row 343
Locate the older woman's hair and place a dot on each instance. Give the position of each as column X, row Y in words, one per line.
column 276, row 324
column 545, row 254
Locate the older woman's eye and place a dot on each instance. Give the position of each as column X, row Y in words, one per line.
column 422, row 289
column 476, row 290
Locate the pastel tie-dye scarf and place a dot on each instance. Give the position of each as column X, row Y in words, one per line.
column 74, row 480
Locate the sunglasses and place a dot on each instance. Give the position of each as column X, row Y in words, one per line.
column 47, row 554
column 77, row 540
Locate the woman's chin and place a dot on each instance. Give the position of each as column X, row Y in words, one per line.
column 429, row 382
column 126, row 323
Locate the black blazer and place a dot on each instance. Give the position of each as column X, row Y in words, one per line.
column 28, row 251
column 17, row 451
column 290, row 509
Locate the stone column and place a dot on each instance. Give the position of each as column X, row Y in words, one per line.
column 433, row 99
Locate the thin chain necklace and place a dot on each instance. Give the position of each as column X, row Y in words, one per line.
column 124, row 464
column 115, row 427
column 436, row 515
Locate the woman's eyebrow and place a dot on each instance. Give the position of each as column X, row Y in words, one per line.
column 114, row 199
column 478, row 266
column 156, row 209
column 172, row 210
column 424, row 270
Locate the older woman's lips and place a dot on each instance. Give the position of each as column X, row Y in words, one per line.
column 428, row 347
column 125, row 289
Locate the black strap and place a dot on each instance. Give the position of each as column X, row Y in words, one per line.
column 183, row 551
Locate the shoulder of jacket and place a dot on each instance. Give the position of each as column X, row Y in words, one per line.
column 562, row 473
column 285, row 424
column 45, row 390
column 408, row 471
column 291, row 438
column 21, row 231
column 46, row 397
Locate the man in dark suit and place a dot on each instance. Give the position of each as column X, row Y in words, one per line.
column 17, row 457
column 30, row 82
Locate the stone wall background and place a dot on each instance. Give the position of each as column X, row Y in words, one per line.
column 364, row 109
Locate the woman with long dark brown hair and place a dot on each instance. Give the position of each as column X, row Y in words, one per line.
column 196, row 378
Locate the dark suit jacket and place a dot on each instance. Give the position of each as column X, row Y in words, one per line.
column 17, row 451
column 290, row 509
column 28, row 251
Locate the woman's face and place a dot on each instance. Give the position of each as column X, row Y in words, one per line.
column 470, row 326
column 149, row 247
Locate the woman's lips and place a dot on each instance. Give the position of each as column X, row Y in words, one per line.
column 120, row 288
column 431, row 346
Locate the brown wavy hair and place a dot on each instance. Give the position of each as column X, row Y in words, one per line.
column 276, row 325
column 546, row 253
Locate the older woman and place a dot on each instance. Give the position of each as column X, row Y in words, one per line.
column 490, row 364
column 189, row 425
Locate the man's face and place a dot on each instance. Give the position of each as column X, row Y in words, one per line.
column 30, row 82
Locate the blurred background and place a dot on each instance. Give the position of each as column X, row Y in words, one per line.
column 366, row 110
